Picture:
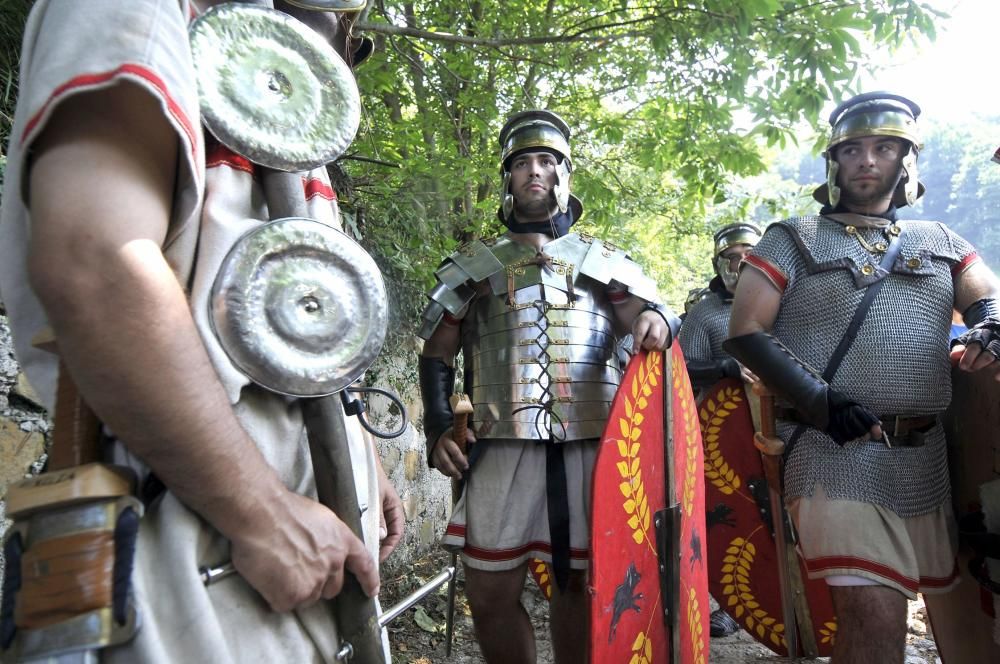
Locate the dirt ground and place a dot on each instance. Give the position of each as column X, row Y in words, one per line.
column 418, row 636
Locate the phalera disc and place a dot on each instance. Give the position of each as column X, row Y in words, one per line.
column 300, row 307
column 272, row 89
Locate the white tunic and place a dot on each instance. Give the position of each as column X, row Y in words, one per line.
column 71, row 47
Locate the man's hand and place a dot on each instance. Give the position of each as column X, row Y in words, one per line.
column 973, row 358
column 650, row 331
column 297, row 553
column 748, row 376
column 391, row 516
column 448, row 457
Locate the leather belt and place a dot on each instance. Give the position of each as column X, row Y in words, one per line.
column 905, row 430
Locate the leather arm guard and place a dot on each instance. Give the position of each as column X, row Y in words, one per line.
column 817, row 403
column 983, row 320
column 437, row 382
column 705, row 373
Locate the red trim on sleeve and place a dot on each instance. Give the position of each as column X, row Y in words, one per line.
column 770, row 271
column 450, row 320
column 964, row 264
column 219, row 155
column 316, row 187
column 91, row 80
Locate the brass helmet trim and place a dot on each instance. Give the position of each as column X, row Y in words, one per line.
column 739, row 233
column 543, row 131
column 875, row 114
column 727, row 237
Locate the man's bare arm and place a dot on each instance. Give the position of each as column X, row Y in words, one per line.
column 755, row 304
column 974, row 284
column 102, row 184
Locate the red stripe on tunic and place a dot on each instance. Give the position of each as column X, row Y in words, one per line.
column 90, row 80
column 776, row 276
column 964, row 264
column 496, row 555
column 219, row 155
column 315, row 187
column 852, row 562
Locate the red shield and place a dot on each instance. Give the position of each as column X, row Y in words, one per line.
column 627, row 606
column 742, row 557
column 963, row 620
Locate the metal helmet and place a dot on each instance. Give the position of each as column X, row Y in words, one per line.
column 726, row 237
column 875, row 114
column 537, row 130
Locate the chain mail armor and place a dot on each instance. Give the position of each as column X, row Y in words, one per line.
column 538, row 332
column 898, row 363
column 705, row 327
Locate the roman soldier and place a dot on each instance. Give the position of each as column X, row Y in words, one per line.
column 537, row 314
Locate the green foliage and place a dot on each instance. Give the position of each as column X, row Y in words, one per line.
column 12, row 16
column 963, row 185
column 654, row 91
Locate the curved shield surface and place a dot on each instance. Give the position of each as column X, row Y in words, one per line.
column 300, row 307
column 742, row 556
column 966, row 621
column 630, row 480
column 272, row 89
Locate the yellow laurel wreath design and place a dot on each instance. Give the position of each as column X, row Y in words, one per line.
column 686, row 401
column 736, row 588
column 636, row 504
column 694, row 624
column 642, row 650
column 828, row 632
column 712, row 415
column 541, row 572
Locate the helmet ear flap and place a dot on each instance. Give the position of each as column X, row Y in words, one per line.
column 507, row 199
column 832, row 169
column 909, row 181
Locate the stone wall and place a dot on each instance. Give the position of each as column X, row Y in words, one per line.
column 24, row 427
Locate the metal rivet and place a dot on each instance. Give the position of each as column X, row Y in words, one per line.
column 913, row 263
column 868, row 269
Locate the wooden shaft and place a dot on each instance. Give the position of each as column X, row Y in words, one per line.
column 357, row 620
column 76, row 431
column 461, row 408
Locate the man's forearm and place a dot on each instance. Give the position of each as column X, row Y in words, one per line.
column 128, row 338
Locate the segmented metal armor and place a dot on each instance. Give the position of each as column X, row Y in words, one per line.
column 538, row 332
column 899, row 362
column 705, row 327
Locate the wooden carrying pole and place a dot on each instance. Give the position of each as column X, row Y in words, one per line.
column 771, row 448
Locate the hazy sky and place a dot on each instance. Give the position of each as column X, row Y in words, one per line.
column 956, row 74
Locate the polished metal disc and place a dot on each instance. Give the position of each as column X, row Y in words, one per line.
column 272, row 89
column 299, row 307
